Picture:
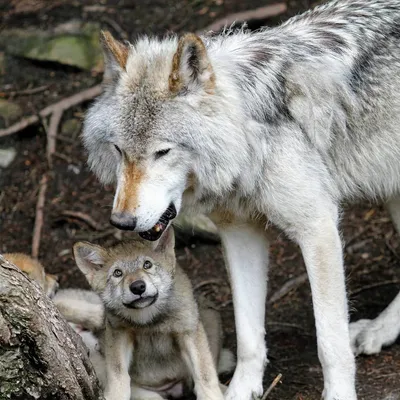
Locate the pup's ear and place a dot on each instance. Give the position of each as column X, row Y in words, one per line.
column 115, row 55
column 166, row 243
column 191, row 67
column 89, row 258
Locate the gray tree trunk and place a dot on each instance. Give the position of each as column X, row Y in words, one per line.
column 41, row 357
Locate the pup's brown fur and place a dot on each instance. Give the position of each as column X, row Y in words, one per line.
column 35, row 270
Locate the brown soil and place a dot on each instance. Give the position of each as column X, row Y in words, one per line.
column 372, row 251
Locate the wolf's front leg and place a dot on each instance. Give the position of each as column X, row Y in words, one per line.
column 322, row 252
column 246, row 253
column 197, row 354
column 118, row 349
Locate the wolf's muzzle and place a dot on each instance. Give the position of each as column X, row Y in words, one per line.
column 124, row 221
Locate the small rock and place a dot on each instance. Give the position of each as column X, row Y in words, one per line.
column 7, row 156
column 197, row 225
column 9, row 111
column 73, row 43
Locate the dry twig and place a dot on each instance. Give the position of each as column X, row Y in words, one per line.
column 216, row 282
column 83, row 217
column 37, row 229
column 60, row 106
column 24, row 92
column 288, row 287
column 375, row 285
column 271, row 386
column 271, row 10
column 52, row 134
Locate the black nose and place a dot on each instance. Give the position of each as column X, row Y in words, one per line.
column 138, row 287
column 124, row 221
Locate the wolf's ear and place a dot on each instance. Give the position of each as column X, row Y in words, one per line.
column 166, row 243
column 89, row 258
column 115, row 55
column 191, row 67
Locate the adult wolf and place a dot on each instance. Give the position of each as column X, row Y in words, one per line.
column 280, row 125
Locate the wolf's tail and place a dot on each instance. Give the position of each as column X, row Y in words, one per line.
column 226, row 362
column 81, row 307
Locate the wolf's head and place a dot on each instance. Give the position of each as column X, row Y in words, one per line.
column 160, row 120
column 135, row 279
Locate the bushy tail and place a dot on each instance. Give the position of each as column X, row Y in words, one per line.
column 81, row 307
column 226, row 362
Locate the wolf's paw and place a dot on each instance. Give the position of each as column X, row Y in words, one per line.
column 246, row 384
column 369, row 336
column 339, row 393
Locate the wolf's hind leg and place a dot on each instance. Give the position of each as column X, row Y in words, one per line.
column 369, row 336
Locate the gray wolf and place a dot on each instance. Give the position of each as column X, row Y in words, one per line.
column 35, row 270
column 156, row 341
column 277, row 126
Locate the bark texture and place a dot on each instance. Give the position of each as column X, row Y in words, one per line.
column 41, row 357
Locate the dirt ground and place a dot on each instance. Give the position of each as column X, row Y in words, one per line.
column 372, row 247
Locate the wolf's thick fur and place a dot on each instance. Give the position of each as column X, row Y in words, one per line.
column 35, row 270
column 157, row 343
column 279, row 125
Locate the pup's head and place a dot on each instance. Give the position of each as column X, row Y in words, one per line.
column 157, row 118
column 133, row 279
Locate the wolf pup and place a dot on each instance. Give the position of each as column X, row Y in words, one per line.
column 156, row 341
column 35, row 270
column 279, row 125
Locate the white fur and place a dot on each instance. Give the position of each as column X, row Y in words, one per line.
column 369, row 336
column 244, row 243
column 118, row 354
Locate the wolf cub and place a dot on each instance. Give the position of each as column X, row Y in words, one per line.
column 157, row 342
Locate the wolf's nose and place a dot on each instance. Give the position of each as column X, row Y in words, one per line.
column 124, row 221
column 138, row 287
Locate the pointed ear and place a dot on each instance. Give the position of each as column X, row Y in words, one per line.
column 191, row 67
column 166, row 243
column 115, row 55
column 89, row 258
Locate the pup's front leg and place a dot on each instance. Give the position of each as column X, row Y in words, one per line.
column 322, row 252
column 118, row 349
column 197, row 355
column 246, row 252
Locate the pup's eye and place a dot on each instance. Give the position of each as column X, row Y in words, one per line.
column 118, row 149
column 147, row 264
column 117, row 273
column 162, row 153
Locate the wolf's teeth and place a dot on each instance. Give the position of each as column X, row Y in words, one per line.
column 157, row 227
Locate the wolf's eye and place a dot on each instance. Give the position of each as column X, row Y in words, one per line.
column 162, row 153
column 118, row 149
column 147, row 264
column 117, row 273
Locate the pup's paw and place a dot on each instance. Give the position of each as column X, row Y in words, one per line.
column 369, row 336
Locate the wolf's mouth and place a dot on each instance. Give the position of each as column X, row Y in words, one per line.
column 142, row 302
column 157, row 230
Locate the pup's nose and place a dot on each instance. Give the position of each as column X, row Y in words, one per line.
column 124, row 221
column 138, row 287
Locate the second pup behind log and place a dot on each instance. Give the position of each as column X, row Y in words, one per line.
column 157, row 343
